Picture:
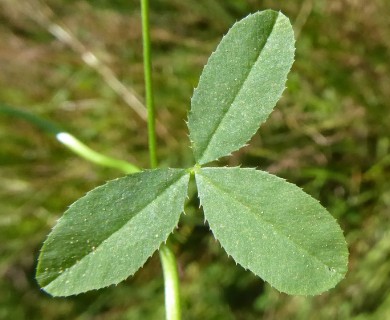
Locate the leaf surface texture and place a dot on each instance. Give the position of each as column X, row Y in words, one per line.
column 274, row 229
column 240, row 85
column 109, row 234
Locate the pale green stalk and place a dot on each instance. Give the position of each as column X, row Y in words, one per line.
column 171, row 283
column 87, row 153
column 167, row 257
column 69, row 141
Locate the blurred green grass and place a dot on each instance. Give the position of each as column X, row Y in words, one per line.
column 329, row 134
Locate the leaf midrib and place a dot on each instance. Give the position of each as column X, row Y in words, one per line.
column 261, row 219
column 140, row 210
column 212, row 135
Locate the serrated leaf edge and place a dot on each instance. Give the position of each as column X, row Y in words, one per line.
column 67, row 270
column 215, row 233
column 199, row 160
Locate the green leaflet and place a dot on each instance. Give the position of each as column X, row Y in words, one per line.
column 274, row 229
column 240, row 85
column 109, row 234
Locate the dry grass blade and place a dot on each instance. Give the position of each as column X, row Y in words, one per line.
column 44, row 16
column 303, row 15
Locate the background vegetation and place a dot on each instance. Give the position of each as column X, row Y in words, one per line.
column 329, row 134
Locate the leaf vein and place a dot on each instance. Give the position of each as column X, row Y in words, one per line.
column 261, row 219
column 238, row 90
column 140, row 210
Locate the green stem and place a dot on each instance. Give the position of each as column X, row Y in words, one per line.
column 171, row 283
column 43, row 124
column 167, row 257
column 87, row 153
column 148, row 83
column 69, row 141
